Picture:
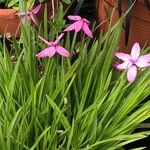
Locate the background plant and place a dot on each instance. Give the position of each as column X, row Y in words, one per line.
column 75, row 103
column 15, row 3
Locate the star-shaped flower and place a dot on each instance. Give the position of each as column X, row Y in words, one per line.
column 30, row 14
column 132, row 62
column 79, row 24
column 53, row 48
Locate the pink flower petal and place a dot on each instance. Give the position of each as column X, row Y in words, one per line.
column 87, row 30
column 145, row 58
column 59, row 38
column 33, row 19
column 62, row 51
column 46, row 42
column 21, row 14
column 135, row 52
column 75, row 18
column 143, row 61
column 48, row 52
column 123, row 56
column 78, row 25
column 142, row 64
column 75, row 26
column 131, row 73
column 70, row 28
column 85, row 20
column 122, row 66
column 36, row 9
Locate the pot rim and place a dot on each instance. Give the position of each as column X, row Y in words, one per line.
column 115, row 1
column 10, row 11
column 7, row 12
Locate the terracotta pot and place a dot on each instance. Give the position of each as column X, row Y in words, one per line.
column 140, row 22
column 10, row 22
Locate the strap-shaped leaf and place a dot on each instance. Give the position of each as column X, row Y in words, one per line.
column 128, row 21
column 120, row 10
column 119, row 7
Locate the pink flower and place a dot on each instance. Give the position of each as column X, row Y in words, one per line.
column 30, row 14
column 80, row 23
column 132, row 62
column 53, row 48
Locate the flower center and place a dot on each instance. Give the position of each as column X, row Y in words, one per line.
column 133, row 61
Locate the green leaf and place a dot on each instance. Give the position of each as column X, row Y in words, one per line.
column 58, row 111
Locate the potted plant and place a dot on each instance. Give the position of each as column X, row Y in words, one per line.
column 137, row 20
column 49, row 102
column 10, row 20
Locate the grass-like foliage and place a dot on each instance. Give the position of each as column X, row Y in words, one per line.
column 75, row 103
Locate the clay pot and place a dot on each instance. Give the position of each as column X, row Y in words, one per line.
column 10, row 22
column 140, row 22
